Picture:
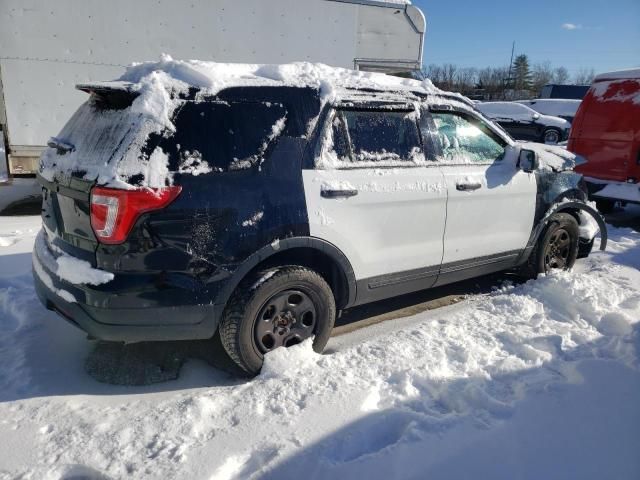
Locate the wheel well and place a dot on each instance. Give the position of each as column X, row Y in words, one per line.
column 315, row 260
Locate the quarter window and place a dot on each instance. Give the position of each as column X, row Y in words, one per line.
column 465, row 140
column 217, row 136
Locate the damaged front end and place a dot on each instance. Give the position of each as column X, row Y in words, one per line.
column 560, row 189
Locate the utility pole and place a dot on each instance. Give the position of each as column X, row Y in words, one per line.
column 513, row 49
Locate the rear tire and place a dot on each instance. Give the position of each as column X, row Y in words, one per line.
column 278, row 307
column 557, row 247
column 605, row 206
column 551, row 136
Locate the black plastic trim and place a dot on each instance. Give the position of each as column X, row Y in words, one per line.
column 565, row 207
column 390, row 285
column 283, row 245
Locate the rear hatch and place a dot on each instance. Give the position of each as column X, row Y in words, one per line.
column 86, row 153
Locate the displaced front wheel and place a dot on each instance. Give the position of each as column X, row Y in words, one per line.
column 558, row 246
column 276, row 308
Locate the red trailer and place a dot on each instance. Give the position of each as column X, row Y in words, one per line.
column 606, row 131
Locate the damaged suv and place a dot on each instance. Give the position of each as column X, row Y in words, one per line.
column 189, row 198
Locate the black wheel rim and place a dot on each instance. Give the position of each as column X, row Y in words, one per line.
column 551, row 137
column 557, row 251
column 286, row 319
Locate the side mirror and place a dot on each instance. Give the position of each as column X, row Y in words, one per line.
column 527, row 160
column 536, row 116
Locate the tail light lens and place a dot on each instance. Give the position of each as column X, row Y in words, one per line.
column 114, row 211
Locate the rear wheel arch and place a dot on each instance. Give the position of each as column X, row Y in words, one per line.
column 313, row 253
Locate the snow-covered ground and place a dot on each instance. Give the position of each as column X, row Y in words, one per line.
column 539, row 380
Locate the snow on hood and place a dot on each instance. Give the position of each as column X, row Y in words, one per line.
column 159, row 85
column 553, row 157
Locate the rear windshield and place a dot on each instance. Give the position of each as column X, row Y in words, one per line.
column 94, row 139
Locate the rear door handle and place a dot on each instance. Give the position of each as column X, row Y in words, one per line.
column 338, row 193
column 467, row 187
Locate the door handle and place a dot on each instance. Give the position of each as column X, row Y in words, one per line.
column 338, row 193
column 467, row 187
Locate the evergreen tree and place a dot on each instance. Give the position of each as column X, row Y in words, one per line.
column 521, row 73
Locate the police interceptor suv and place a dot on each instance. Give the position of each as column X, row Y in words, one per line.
column 280, row 205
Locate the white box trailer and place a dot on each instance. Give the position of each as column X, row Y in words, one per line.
column 47, row 47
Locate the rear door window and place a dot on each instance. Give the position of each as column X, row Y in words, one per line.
column 221, row 136
column 464, row 139
column 376, row 138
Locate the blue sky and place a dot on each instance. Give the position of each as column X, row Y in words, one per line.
column 604, row 35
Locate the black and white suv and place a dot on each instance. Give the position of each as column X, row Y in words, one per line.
column 257, row 201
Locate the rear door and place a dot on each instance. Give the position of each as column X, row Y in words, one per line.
column 491, row 202
column 375, row 196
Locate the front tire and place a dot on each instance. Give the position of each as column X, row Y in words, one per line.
column 280, row 307
column 557, row 247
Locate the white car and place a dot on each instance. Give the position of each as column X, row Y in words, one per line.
column 524, row 123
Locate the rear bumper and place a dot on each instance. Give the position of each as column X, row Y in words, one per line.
column 611, row 190
column 79, row 305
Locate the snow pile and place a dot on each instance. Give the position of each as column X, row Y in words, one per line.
column 422, row 396
column 212, row 77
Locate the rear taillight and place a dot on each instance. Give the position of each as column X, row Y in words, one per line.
column 113, row 211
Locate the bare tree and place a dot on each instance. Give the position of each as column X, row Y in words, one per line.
column 560, row 75
column 466, row 80
column 450, row 71
column 542, row 75
column 584, row 76
column 491, row 83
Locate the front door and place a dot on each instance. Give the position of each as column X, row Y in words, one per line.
column 375, row 197
column 491, row 202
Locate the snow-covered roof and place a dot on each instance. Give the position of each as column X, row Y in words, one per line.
column 159, row 87
column 619, row 75
column 212, row 77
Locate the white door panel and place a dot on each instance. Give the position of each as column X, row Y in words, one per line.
column 492, row 219
column 394, row 223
